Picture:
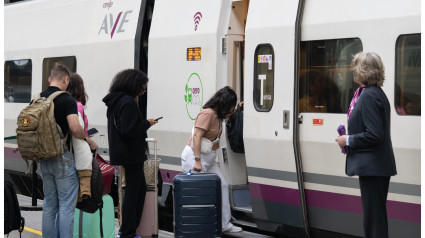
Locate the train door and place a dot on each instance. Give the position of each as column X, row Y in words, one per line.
column 233, row 165
column 325, row 90
column 142, row 46
column 274, row 173
column 324, row 94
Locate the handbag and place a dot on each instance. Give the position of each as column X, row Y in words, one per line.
column 235, row 131
column 81, row 149
column 149, row 170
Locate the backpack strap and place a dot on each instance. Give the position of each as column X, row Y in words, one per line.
column 70, row 153
column 101, row 226
column 80, row 225
column 70, row 149
column 51, row 98
column 35, row 98
column 21, row 226
column 57, row 93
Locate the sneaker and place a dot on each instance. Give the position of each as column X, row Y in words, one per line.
column 232, row 229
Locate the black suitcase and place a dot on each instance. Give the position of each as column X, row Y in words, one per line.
column 197, row 205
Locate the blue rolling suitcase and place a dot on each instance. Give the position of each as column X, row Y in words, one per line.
column 197, row 205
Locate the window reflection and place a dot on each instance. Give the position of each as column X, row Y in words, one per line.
column 17, row 81
column 408, row 75
column 49, row 63
column 326, row 81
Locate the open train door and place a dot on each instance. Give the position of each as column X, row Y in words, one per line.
column 274, row 172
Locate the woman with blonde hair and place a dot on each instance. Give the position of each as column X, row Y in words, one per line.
column 370, row 153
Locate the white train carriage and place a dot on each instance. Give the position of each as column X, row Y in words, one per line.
column 291, row 178
column 94, row 38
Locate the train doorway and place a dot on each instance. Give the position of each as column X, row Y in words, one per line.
column 233, row 165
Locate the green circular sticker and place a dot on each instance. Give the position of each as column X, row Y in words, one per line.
column 194, row 95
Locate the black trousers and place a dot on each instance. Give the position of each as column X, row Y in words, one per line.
column 374, row 191
column 134, row 199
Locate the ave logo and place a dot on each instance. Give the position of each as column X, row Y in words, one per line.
column 111, row 25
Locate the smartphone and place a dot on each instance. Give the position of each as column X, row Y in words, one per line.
column 92, row 131
column 159, row 118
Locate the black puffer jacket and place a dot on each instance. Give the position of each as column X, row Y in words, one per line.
column 127, row 133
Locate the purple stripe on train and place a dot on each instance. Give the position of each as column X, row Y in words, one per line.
column 334, row 201
column 8, row 153
column 168, row 175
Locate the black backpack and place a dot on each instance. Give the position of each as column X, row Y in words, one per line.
column 12, row 211
column 235, row 131
column 95, row 202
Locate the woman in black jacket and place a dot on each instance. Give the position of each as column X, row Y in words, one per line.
column 127, row 145
column 370, row 152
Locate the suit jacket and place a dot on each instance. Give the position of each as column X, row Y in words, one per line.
column 370, row 150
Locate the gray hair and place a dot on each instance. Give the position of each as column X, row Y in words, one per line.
column 368, row 68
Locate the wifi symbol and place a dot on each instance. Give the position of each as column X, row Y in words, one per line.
column 197, row 18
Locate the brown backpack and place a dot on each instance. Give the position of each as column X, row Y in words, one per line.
column 38, row 134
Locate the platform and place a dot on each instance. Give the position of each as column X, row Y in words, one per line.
column 33, row 224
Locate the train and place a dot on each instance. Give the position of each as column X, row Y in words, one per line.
column 291, row 179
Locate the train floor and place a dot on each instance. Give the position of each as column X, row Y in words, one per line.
column 33, row 224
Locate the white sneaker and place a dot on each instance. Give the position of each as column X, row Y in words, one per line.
column 232, row 229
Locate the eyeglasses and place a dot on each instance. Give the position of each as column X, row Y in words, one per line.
column 144, row 91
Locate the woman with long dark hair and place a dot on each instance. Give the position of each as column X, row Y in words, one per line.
column 78, row 92
column 127, row 144
column 208, row 124
column 83, row 156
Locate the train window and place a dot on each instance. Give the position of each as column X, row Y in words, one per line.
column 49, row 63
column 326, row 81
column 263, row 78
column 17, row 81
column 408, row 75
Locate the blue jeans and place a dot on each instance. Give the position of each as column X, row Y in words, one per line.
column 60, row 186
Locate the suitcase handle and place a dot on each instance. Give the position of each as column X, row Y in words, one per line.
column 155, row 157
column 156, row 181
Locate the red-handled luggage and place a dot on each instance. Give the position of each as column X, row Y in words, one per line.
column 107, row 174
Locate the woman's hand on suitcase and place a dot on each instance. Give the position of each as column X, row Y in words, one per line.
column 197, row 166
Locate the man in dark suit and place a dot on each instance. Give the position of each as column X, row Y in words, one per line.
column 370, row 154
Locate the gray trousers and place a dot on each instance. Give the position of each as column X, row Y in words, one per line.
column 374, row 191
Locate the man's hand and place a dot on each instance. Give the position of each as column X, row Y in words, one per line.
column 75, row 127
column 92, row 144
